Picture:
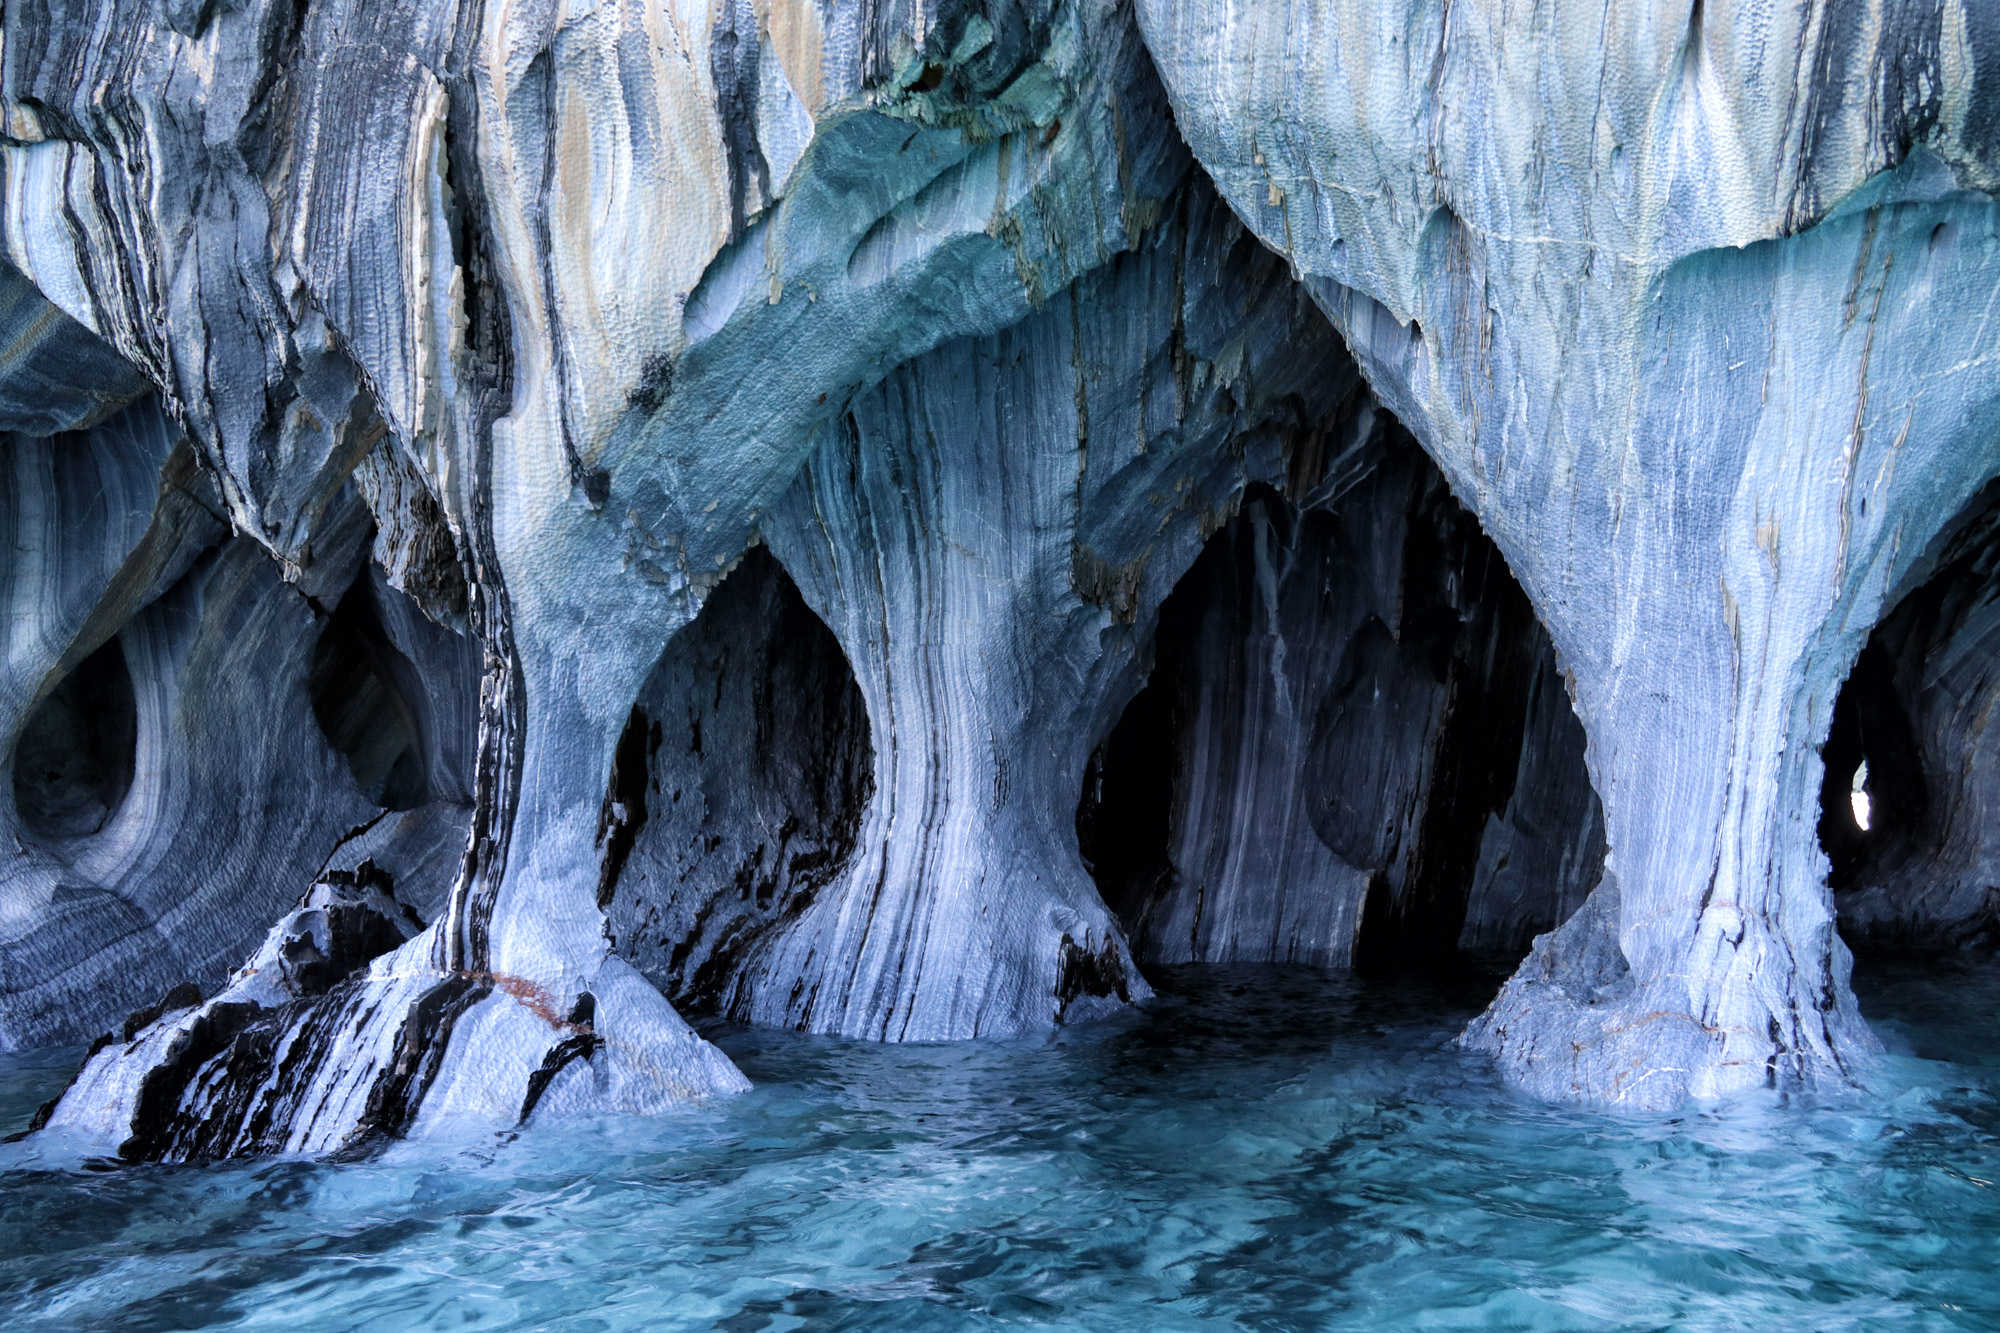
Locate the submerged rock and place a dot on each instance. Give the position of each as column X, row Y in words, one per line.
column 571, row 513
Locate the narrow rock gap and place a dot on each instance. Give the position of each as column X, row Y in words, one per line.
column 1354, row 749
column 740, row 786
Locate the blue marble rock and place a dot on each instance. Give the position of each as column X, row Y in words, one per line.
column 892, row 517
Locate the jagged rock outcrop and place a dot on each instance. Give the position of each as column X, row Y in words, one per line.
column 438, row 361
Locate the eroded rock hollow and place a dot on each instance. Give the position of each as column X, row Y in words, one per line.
column 893, row 517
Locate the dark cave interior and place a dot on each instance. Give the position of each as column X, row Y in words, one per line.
column 1911, row 790
column 73, row 762
column 739, row 786
column 1353, row 748
column 368, row 698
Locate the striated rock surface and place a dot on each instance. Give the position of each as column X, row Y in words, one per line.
column 1665, row 293
column 1347, row 752
column 55, row 375
column 169, row 790
column 529, row 303
column 990, row 538
column 545, row 514
column 987, row 536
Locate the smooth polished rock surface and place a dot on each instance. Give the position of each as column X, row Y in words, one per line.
column 1697, row 329
column 401, row 391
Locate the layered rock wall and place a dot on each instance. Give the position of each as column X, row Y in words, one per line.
column 977, row 320
column 1663, row 291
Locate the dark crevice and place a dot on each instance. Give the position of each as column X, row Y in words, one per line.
column 624, row 812
column 73, row 762
column 733, row 56
column 564, row 1053
column 1478, row 637
column 1124, row 824
column 368, row 699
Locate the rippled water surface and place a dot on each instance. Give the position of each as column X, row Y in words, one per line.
column 1261, row 1149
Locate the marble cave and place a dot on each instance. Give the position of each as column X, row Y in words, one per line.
column 550, row 538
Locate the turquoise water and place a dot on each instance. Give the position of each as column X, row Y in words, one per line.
column 1263, row 1149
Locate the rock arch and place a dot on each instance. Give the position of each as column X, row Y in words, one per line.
column 1922, row 873
column 1354, row 748
column 1690, row 394
column 738, row 789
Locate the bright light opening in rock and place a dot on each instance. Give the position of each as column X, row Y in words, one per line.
column 1857, row 799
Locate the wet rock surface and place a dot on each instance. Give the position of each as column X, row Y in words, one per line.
column 890, row 518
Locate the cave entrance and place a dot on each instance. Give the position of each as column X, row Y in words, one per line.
column 738, row 787
column 1354, row 748
column 74, row 759
column 368, row 699
column 1874, row 794
column 1909, row 813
